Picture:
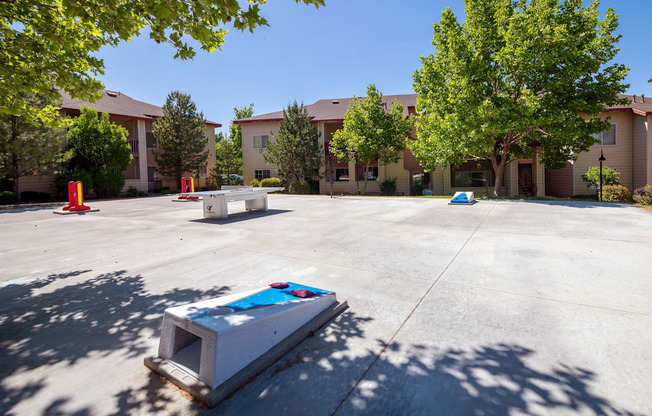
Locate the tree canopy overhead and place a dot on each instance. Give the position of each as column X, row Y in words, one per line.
column 515, row 74
column 47, row 45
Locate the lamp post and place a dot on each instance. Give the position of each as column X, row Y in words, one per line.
column 602, row 159
column 357, row 184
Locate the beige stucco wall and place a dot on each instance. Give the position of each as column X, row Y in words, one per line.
column 251, row 157
column 649, row 150
column 639, row 150
column 619, row 156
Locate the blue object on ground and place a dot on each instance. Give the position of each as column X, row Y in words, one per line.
column 273, row 296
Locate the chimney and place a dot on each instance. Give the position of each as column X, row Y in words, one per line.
column 643, row 97
column 634, row 97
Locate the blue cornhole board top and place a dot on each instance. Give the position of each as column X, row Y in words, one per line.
column 460, row 199
column 273, row 296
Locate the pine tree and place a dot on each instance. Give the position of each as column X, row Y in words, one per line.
column 295, row 151
column 181, row 137
column 27, row 146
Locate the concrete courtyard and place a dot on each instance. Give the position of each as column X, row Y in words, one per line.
column 501, row 308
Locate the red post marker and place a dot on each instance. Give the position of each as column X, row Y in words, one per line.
column 192, row 188
column 72, row 198
column 77, row 196
column 183, row 189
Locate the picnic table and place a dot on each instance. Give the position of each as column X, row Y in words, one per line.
column 216, row 202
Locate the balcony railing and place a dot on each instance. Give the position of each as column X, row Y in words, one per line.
column 134, row 147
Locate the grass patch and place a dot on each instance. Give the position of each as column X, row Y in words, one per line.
column 645, row 207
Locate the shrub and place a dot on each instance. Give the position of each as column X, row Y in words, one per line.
column 270, row 183
column 616, row 193
column 132, row 192
column 74, row 175
column 31, row 196
column 592, row 177
column 255, row 183
column 643, row 195
column 299, row 187
column 417, row 188
column 388, row 187
column 7, row 197
column 108, row 183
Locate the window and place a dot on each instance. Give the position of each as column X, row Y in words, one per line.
column 607, row 137
column 341, row 174
column 472, row 179
column 473, row 174
column 260, row 142
column 151, row 140
column 262, row 174
column 152, row 174
column 372, row 173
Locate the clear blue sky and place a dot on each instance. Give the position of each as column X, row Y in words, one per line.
column 334, row 52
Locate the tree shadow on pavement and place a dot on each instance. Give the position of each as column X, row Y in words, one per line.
column 53, row 321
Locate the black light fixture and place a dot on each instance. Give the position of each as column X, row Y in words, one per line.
column 602, row 159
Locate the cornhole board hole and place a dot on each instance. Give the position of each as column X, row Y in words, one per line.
column 62, row 212
column 463, row 198
column 213, row 347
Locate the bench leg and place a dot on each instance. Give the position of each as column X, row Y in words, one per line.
column 258, row 203
column 215, row 207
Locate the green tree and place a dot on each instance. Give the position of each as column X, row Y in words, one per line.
column 100, row 147
column 372, row 131
column 592, row 177
column 228, row 150
column 228, row 161
column 516, row 74
column 27, row 146
column 180, row 136
column 295, row 151
column 48, row 44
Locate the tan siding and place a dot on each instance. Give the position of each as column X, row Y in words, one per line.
column 649, row 150
column 560, row 182
column 395, row 170
column 639, row 151
column 251, row 157
column 618, row 157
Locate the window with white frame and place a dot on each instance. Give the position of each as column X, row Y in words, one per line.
column 341, row 174
column 607, row 137
column 262, row 174
column 260, row 142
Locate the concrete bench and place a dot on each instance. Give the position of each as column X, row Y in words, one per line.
column 216, row 202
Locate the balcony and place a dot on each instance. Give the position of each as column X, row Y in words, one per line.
column 134, row 147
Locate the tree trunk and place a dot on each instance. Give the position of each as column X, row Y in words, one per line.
column 15, row 164
column 499, row 173
column 366, row 169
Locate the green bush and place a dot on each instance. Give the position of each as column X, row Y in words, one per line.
column 108, row 183
column 73, row 175
column 132, row 192
column 255, row 183
column 388, row 187
column 417, row 188
column 7, row 197
column 270, row 183
column 643, row 195
column 299, row 188
column 616, row 193
column 592, row 177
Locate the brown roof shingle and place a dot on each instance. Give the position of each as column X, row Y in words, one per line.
column 332, row 109
column 119, row 104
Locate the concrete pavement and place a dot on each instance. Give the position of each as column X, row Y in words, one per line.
column 504, row 307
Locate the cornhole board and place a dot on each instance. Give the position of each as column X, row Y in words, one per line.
column 186, row 200
column 62, row 212
column 216, row 202
column 211, row 348
column 463, row 198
